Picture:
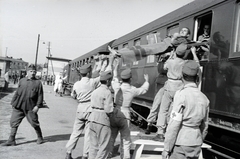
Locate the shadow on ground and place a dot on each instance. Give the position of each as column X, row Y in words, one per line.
column 53, row 138
column 5, row 92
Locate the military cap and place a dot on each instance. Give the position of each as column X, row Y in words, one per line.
column 181, row 49
column 31, row 67
column 95, row 74
column 85, row 69
column 190, row 68
column 126, row 74
column 105, row 75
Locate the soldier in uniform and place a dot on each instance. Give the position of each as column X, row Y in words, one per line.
column 174, row 73
column 99, row 126
column 124, row 94
column 188, row 123
column 83, row 90
column 26, row 102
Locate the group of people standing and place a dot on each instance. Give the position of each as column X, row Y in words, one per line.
column 183, row 108
column 101, row 117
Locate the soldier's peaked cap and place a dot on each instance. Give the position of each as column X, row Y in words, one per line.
column 126, row 74
column 85, row 69
column 105, row 75
column 31, row 67
column 190, row 68
column 181, row 49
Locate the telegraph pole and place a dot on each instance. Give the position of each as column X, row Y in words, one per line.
column 48, row 56
column 37, row 51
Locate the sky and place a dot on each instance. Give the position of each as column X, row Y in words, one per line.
column 73, row 27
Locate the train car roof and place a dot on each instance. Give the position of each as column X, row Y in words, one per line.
column 103, row 48
column 180, row 13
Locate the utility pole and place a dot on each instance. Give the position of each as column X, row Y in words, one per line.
column 48, row 56
column 37, row 51
column 6, row 52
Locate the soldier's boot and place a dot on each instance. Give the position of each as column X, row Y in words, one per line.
column 68, row 156
column 149, row 129
column 159, row 137
column 39, row 135
column 11, row 141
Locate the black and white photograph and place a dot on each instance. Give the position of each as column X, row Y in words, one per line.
column 119, row 79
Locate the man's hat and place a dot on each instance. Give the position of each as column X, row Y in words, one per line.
column 126, row 74
column 31, row 67
column 190, row 68
column 105, row 75
column 95, row 74
column 85, row 69
column 181, row 49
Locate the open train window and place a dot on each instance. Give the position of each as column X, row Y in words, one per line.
column 136, row 42
column 236, row 46
column 202, row 33
column 172, row 29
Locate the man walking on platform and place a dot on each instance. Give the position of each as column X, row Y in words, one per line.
column 26, row 102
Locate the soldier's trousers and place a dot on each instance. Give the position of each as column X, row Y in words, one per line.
column 79, row 124
column 119, row 123
column 155, row 107
column 164, row 110
column 18, row 115
column 185, row 152
column 99, row 140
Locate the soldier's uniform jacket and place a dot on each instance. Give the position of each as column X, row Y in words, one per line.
column 174, row 73
column 192, row 129
column 102, row 105
column 124, row 94
column 84, row 89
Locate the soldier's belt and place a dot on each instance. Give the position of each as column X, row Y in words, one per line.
column 84, row 101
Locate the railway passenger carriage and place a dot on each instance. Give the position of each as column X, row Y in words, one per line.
column 220, row 66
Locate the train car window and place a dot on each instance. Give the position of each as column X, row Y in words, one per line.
column 202, row 32
column 153, row 38
column 172, row 29
column 84, row 61
column 236, row 46
column 150, row 59
column 136, row 42
column 115, row 48
column 125, row 45
column 80, row 63
column 91, row 59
